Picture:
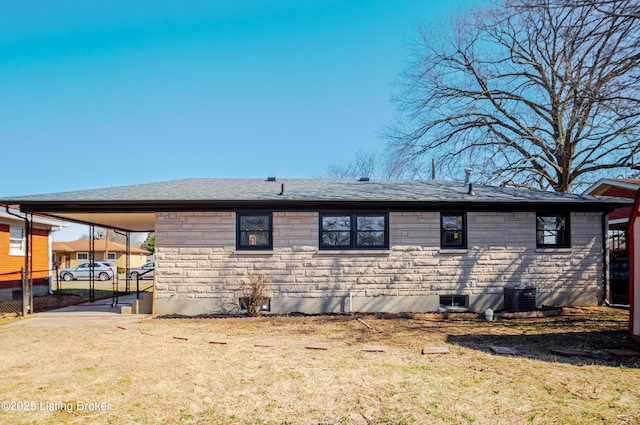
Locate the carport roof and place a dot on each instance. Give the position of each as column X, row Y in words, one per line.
column 132, row 207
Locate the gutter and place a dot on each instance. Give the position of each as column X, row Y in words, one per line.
column 469, row 204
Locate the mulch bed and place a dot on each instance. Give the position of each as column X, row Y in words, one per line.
column 544, row 311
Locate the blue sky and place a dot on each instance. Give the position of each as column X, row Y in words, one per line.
column 107, row 93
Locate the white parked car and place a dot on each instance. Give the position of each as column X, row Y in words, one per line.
column 102, row 270
column 145, row 271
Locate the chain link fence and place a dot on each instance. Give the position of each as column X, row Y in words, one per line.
column 11, row 292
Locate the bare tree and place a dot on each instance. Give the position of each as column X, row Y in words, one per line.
column 378, row 165
column 135, row 238
column 363, row 165
column 542, row 94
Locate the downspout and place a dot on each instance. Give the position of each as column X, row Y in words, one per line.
column 13, row 214
column 605, row 256
column 634, row 273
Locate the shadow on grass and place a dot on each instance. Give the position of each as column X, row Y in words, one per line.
column 84, row 293
column 539, row 346
column 104, row 292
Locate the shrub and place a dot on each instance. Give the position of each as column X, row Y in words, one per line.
column 254, row 293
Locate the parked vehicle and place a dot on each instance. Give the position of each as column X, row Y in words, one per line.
column 145, row 271
column 102, row 270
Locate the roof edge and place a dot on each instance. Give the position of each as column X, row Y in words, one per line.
column 610, row 182
column 601, row 204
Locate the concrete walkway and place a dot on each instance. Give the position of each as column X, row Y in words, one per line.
column 96, row 313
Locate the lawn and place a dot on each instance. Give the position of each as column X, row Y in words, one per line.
column 107, row 375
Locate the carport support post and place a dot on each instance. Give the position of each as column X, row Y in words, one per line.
column 92, row 242
column 127, row 261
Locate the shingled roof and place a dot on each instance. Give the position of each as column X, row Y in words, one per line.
column 206, row 193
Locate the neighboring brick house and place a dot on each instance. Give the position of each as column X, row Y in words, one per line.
column 13, row 250
column 72, row 253
column 344, row 245
column 619, row 264
column 620, row 188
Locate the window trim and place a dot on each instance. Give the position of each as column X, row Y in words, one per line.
column 240, row 247
column 82, row 259
column 13, row 241
column 463, row 230
column 353, row 231
column 566, row 230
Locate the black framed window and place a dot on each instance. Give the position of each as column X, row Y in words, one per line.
column 453, row 230
column 552, row 230
column 254, row 231
column 454, row 300
column 354, row 231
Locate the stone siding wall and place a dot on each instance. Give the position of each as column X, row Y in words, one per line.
column 198, row 268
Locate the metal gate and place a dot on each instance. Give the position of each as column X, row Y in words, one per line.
column 618, row 267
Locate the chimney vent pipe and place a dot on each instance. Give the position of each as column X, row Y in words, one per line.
column 467, row 175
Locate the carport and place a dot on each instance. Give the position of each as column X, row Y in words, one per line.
column 90, row 213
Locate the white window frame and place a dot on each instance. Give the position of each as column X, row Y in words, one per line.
column 82, row 259
column 115, row 257
column 16, row 244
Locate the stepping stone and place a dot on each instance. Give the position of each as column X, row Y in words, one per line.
column 504, row 350
column 318, row 346
column 221, row 341
column 153, row 332
column 269, row 343
column 435, row 350
column 374, row 348
column 184, row 337
column 569, row 353
column 623, row 353
column 127, row 327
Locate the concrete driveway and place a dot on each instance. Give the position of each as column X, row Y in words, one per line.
column 98, row 313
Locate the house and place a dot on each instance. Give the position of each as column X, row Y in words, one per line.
column 618, row 261
column 634, row 256
column 13, row 252
column 353, row 245
column 70, row 254
column 620, row 188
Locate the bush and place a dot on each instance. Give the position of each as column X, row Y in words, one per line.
column 254, row 293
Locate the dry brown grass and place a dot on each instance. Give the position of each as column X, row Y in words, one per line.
column 160, row 380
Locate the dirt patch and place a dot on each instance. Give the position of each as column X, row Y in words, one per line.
column 142, row 374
